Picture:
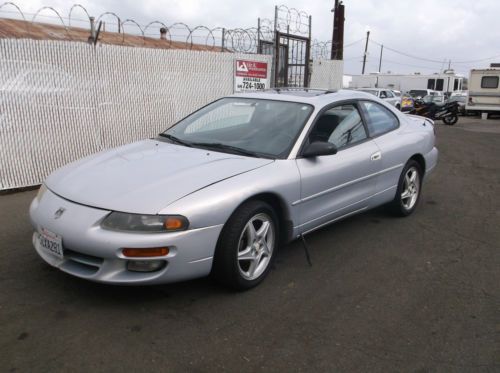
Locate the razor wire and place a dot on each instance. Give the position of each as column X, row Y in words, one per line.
column 244, row 40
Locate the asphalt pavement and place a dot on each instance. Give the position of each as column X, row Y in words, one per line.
column 416, row 294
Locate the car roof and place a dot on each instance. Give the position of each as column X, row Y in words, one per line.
column 314, row 97
column 372, row 89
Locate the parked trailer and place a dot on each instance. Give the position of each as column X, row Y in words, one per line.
column 448, row 82
column 484, row 91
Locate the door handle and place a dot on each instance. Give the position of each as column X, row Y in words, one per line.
column 376, row 156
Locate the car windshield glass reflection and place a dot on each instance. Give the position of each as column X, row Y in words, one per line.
column 247, row 126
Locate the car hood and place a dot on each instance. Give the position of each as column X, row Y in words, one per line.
column 146, row 176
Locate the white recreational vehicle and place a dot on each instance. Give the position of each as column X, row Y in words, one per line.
column 484, row 90
column 446, row 82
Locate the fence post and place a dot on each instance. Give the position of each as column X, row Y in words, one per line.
column 92, row 29
column 223, row 37
column 258, row 36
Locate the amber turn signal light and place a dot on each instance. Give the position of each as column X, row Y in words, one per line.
column 173, row 223
column 143, row 253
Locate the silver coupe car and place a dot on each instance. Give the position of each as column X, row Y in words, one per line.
column 220, row 191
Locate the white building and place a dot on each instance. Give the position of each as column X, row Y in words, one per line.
column 446, row 82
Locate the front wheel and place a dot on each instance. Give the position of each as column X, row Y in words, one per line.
column 409, row 189
column 450, row 120
column 247, row 246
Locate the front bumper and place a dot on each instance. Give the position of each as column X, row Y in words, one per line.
column 93, row 253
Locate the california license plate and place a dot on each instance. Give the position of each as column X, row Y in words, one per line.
column 51, row 243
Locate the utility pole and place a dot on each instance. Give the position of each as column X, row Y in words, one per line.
column 380, row 61
column 335, row 30
column 366, row 52
column 337, row 52
column 379, row 64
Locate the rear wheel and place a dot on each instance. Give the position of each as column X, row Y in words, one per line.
column 247, row 246
column 409, row 189
column 451, row 119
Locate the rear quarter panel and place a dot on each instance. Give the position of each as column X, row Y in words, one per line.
column 414, row 136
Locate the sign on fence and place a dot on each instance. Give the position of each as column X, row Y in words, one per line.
column 250, row 76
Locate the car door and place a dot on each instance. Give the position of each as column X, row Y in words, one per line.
column 383, row 128
column 337, row 185
column 391, row 98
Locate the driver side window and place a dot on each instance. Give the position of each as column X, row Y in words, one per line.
column 341, row 126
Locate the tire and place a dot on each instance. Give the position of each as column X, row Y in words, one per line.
column 398, row 107
column 451, row 120
column 244, row 256
column 405, row 206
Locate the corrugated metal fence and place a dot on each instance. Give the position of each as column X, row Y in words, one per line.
column 61, row 100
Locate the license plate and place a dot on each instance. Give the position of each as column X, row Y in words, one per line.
column 51, row 243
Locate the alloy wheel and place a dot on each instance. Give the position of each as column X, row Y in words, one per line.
column 256, row 245
column 411, row 188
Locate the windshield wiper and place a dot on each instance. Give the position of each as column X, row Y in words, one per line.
column 176, row 139
column 229, row 148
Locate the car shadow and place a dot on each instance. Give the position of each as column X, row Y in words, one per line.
column 190, row 291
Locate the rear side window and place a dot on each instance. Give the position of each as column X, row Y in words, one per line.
column 489, row 82
column 379, row 119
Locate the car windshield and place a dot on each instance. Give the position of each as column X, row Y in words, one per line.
column 248, row 126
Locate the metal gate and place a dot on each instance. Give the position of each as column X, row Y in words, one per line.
column 291, row 49
column 291, row 60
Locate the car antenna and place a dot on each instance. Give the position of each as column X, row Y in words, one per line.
column 306, row 249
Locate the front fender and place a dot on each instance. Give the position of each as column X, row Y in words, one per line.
column 214, row 204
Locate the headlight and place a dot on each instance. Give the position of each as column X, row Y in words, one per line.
column 41, row 192
column 119, row 221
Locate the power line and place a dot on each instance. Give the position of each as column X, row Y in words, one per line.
column 406, row 54
column 354, row 58
column 354, row 42
column 481, row 60
column 431, row 60
column 410, row 65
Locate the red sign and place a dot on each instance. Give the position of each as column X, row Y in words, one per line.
column 251, row 69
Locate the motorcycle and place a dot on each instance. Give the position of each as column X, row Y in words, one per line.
column 448, row 112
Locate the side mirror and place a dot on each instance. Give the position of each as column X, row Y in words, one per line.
column 318, row 148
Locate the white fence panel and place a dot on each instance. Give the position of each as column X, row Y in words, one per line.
column 60, row 100
column 327, row 74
